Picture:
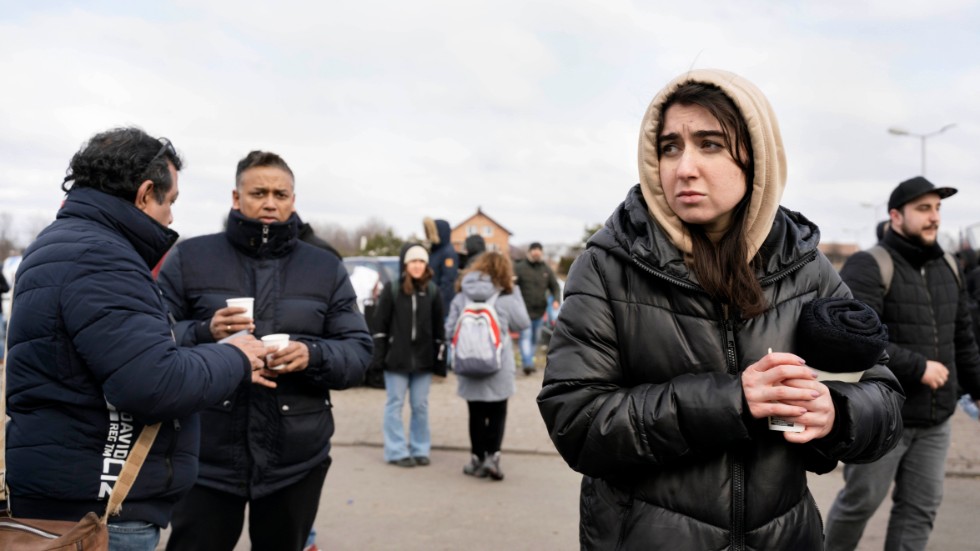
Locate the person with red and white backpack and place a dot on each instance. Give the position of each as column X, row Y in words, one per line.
column 486, row 298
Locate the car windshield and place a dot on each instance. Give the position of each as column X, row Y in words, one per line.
column 390, row 266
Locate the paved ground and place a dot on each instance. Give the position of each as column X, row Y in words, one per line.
column 370, row 505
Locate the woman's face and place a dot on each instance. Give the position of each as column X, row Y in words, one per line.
column 415, row 268
column 701, row 181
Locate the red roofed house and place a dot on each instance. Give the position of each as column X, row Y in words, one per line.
column 494, row 235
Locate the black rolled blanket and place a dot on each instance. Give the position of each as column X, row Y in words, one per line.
column 840, row 335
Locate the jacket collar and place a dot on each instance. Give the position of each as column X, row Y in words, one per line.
column 149, row 238
column 632, row 233
column 914, row 253
column 259, row 240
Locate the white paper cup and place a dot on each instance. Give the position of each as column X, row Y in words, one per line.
column 243, row 302
column 851, row 377
column 782, row 425
column 280, row 341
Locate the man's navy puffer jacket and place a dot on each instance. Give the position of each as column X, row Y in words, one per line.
column 93, row 359
column 261, row 440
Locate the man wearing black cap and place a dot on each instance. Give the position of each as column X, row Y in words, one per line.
column 535, row 279
column 932, row 351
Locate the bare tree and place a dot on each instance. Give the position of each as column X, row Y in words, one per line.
column 372, row 237
column 32, row 227
column 7, row 243
column 338, row 237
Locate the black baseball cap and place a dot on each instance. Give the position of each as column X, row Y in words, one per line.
column 915, row 188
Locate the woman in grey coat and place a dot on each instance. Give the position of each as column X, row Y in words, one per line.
column 486, row 397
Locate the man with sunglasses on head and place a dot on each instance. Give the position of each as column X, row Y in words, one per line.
column 92, row 357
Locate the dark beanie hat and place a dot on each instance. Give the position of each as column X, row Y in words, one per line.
column 535, row 245
column 840, row 335
column 915, row 188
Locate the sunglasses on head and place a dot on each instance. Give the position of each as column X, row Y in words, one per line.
column 166, row 147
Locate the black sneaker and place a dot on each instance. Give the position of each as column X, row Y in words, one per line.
column 422, row 461
column 403, row 462
column 529, row 369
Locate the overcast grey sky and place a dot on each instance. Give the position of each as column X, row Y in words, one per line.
column 530, row 109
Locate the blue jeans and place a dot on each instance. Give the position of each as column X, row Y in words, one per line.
column 417, row 386
column 529, row 341
column 133, row 535
column 918, row 467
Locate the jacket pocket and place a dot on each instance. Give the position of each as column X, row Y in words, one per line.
column 220, row 433
column 305, row 426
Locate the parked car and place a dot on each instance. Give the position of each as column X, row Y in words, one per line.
column 368, row 275
column 9, row 268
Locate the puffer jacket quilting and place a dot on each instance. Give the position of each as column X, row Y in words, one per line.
column 90, row 329
column 641, row 397
column 410, row 331
column 261, row 440
column 925, row 322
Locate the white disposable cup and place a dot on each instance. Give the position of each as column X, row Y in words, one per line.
column 243, row 302
column 280, row 341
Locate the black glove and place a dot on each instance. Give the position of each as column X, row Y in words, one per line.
column 439, row 366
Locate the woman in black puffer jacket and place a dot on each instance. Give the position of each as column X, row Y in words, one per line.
column 660, row 376
column 408, row 345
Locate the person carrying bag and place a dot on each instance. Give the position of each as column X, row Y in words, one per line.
column 91, row 533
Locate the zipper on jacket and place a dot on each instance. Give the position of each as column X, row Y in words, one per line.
column 265, row 233
column 737, row 536
column 414, row 308
column 794, row 267
column 933, row 407
column 169, row 458
column 675, row 280
column 730, row 356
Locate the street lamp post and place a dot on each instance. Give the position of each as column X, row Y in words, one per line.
column 922, row 137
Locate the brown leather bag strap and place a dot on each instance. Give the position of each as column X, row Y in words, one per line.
column 130, row 469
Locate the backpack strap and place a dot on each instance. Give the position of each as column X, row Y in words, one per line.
column 885, row 264
column 951, row 261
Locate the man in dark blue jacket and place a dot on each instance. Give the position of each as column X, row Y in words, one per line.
column 92, row 355
column 443, row 258
column 268, row 448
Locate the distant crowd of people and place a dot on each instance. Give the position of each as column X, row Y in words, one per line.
column 121, row 340
column 679, row 379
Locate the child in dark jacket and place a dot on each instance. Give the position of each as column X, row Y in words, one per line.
column 409, row 346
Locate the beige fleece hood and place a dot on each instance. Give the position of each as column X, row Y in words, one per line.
column 767, row 149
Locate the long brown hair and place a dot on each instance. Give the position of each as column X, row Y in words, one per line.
column 411, row 285
column 495, row 265
column 721, row 267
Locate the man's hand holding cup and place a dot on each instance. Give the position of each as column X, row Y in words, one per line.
column 237, row 316
column 287, row 355
column 256, row 352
